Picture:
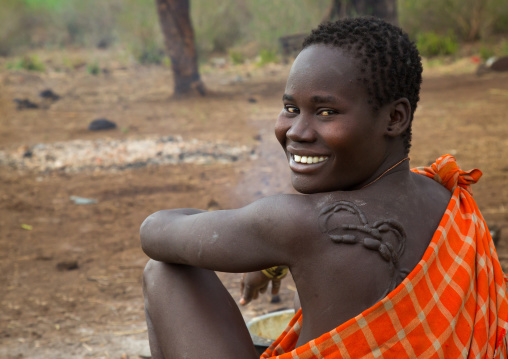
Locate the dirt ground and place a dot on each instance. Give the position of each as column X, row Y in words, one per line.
column 71, row 274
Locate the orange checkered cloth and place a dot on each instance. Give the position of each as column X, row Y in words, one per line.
column 454, row 303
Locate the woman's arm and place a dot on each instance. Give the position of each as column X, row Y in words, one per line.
column 254, row 237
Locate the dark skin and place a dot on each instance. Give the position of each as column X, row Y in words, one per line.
column 325, row 117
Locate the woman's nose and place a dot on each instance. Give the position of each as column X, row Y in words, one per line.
column 301, row 130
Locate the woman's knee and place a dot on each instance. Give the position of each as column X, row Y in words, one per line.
column 167, row 278
column 153, row 273
column 150, row 269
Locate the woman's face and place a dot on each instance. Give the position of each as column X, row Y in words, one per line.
column 332, row 139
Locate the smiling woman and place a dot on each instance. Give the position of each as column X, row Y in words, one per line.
column 379, row 253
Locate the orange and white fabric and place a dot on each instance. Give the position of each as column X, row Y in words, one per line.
column 454, row 303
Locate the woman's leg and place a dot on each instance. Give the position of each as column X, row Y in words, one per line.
column 190, row 314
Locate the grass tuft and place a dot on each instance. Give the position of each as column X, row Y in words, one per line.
column 93, row 69
column 267, row 56
column 28, row 62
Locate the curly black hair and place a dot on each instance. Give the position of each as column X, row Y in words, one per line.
column 388, row 60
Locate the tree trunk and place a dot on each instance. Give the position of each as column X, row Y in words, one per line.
column 383, row 9
column 174, row 17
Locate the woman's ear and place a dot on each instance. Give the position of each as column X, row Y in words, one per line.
column 400, row 117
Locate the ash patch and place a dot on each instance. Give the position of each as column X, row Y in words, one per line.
column 113, row 155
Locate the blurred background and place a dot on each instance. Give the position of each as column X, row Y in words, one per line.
column 133, row 26
column 240, row 29
column 107, row 114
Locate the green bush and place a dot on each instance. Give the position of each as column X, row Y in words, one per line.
column 93, row 68
column 486, row 52
column 431, row 44
column 267, row 56
column 166, row 61
column 236, row 57
column 28, row 62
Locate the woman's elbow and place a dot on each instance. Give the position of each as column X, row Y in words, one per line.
column 158, row 237
column 146, row 233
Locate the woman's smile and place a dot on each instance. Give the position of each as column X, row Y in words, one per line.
column 303, row 162
column 306, row 164
column 308, row 159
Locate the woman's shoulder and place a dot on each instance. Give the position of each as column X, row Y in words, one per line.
column 430, row 190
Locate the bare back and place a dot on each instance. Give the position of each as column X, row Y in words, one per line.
column 359, row 245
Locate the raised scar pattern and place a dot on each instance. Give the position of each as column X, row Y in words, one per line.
column 372, row 238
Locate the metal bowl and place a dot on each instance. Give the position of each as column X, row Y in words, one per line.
column 266, row 328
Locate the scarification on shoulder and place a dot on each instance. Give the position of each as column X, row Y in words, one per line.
column 386, row 236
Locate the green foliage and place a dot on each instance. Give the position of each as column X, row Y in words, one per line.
column 56, row 23
column 468, row 20
column 432, row 44
column 236, row 57
column 503, row 48
column 486, row 52
column 166, row 61
column 138, row 28
column 267, row 56
column 93, row 68
column 28, row 62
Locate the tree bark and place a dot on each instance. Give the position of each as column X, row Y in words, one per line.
column 174, row 17
column 383, row 9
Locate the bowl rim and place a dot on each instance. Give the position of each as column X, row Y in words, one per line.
column 260, row 341
column 269, row 315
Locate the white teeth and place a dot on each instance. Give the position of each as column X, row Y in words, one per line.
column 308, row 159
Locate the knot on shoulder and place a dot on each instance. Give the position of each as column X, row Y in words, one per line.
column 446, row 172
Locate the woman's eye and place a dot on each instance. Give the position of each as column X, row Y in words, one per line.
column 327, row 112
column 291, row 109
